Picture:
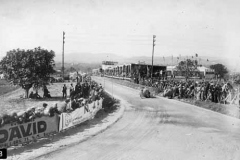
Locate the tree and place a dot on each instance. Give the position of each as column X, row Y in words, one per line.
column 188, row 68
column 71, row 69
column 220, row 70
column 28, row 67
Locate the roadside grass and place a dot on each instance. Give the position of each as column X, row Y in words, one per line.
column 7, row 88
column 3, row 82
column 227, row 109
column 230, row 110
column 12, row 101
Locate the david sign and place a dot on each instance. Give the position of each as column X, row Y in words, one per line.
column 13, row 134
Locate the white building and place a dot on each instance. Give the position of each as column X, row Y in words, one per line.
column 108, row 64
column 204, row 71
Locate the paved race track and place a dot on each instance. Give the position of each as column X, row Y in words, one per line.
column 159, row 128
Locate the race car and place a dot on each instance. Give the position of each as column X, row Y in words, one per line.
column 145, row 93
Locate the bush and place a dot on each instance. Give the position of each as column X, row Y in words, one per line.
column 109, row 104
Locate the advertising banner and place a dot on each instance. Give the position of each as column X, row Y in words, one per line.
column 79, row 115
column 14, row 134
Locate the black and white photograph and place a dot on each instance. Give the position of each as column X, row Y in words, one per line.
column 120, row 79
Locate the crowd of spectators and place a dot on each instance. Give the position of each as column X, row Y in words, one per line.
column 80, row 95
column 46, row 93
column 200, row 90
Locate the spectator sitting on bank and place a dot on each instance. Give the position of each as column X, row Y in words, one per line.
column 73, row 103
column 168, row 92
column 85, row 90
column 93, row 94
column 31, row 95
column 6, row 119
column 21, row 117
column 72, row 93
column 62, row 107
column 79, row 102
column 46, row 92
column 39, row 112
column 51, row 110
column 13, row 117
column 34, row 95
column 30, row 114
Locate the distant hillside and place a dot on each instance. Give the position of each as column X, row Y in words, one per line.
column 71, row 67
column 88, row 60
column 88, row 57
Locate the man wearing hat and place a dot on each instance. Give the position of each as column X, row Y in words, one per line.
column 212, row 89
column 64, row 91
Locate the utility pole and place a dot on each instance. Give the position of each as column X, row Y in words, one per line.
column 63, row 55
column 154, row 36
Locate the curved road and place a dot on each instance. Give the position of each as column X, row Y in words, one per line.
column 158, row 129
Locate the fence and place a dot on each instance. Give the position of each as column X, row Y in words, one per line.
column 14, row 134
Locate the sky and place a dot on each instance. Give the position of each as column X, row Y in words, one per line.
column 123, row 27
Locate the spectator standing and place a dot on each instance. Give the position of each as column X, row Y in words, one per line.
column 64, row 91
column 71, row 88
column 46, row 92
column 85, row 90
column 78, row 88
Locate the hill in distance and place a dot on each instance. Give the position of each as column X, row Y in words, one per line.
column 84, row 59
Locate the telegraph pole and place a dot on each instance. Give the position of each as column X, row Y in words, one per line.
column 63, row 56
column 152, row 56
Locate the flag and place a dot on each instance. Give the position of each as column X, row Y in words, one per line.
column 196, row 55
column 207, row 60
column 177, row 57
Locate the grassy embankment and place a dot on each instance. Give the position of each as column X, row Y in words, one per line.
column 11, row 101
column 5, row 87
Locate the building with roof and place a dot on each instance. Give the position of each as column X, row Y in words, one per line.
column 202, row 72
